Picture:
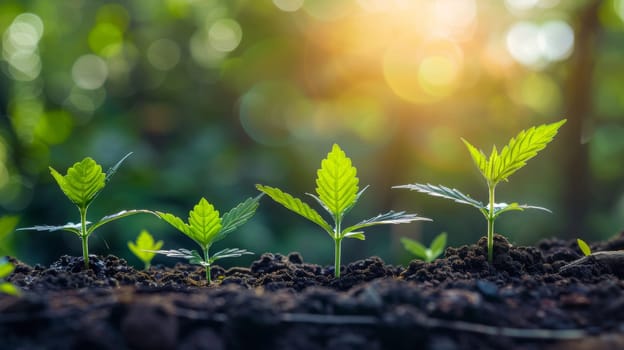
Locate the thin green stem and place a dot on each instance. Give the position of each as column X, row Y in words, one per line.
column 337, row 258
column 337, row 247
column 207, row 258
column 84, row 236
column 490, row 220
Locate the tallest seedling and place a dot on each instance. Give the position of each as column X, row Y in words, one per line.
column 337, row 192
column 498, row 167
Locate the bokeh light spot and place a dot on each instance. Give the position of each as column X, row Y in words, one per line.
column 89, row 72
column 437, row 74
column 163, row 54
column 106, row 39
column 556, row 40
column 225, row 35
column 522, row 43
column 288, row 5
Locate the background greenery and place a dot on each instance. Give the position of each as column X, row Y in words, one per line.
column 214, row 96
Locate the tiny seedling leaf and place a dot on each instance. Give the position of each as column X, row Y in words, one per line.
column 82, row 182
column 444, row 192
column 438, row 244
column 6, row 268
column 584, row 247
column 9, row 288
column 414, row 247
column 500, row 208
column 336, row 182
column 176, row 222
column 295, row 205
column 177, row 253
column 357, row 235
column 144, row 246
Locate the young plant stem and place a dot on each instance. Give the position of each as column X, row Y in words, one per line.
column 490, row 220
column 207, row 258
column 84, row 237
column 338, row 241
column 337, row 258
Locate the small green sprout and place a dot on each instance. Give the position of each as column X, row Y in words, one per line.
column 5, row 270
column 423, row 253
column 82, row 184
column 337, row 192
column 497, row 168
column 584, row 247
column 205, row 227
column 144, row 247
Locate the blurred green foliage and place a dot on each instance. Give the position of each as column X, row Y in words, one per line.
column 214, row 96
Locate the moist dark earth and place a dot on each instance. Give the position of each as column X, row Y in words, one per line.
column 524, row 300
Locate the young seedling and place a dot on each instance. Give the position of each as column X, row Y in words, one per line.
column 144, row 247
column 423, row 253
column 497, row 168
column 5, row 270
column 205, row 227
column 337, row 192
column 82, row 184
column 584, row 247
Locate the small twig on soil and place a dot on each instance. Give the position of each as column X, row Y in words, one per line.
column 612, row 259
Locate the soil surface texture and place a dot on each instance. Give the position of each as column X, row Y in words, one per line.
column 529, row 298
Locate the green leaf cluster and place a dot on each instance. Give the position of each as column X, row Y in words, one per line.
column 144, row 246
column 81, row 184
column 205, row 227
column 337, row 191
column 6, row 268
column 423, row 253
column 496, row 168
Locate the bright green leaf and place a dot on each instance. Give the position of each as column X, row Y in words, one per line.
column 521, row 148
column 237, row 216
column 144, row 247
column 6, row 268
column 176, row 222
column 82, row 183
column 337, row 184
column 584, row 247
column 390, row 217
column 414, row 247
column 438, row 245
column 295, row 205
column 9, row 288
column 204, row 222
column 357, row 235
column 478, row 157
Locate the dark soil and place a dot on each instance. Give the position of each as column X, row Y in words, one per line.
column 521, row 301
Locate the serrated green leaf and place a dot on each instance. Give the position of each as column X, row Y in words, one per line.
column 237, row 216
column 204, row 222
column 296, row 205
column 438, row 245
column 144, row 246
column 70, row 227
column 390, row 217
column 414, row 247
column 9, row 288
column 521, row 148
column 177, row 253
column 478, row 157
column 82, row 182
column 444, row 192
column 337, row 183
column 500, row 208
column 117, row 216
column 584, row 247
column 176, row 222
column 228, row 253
